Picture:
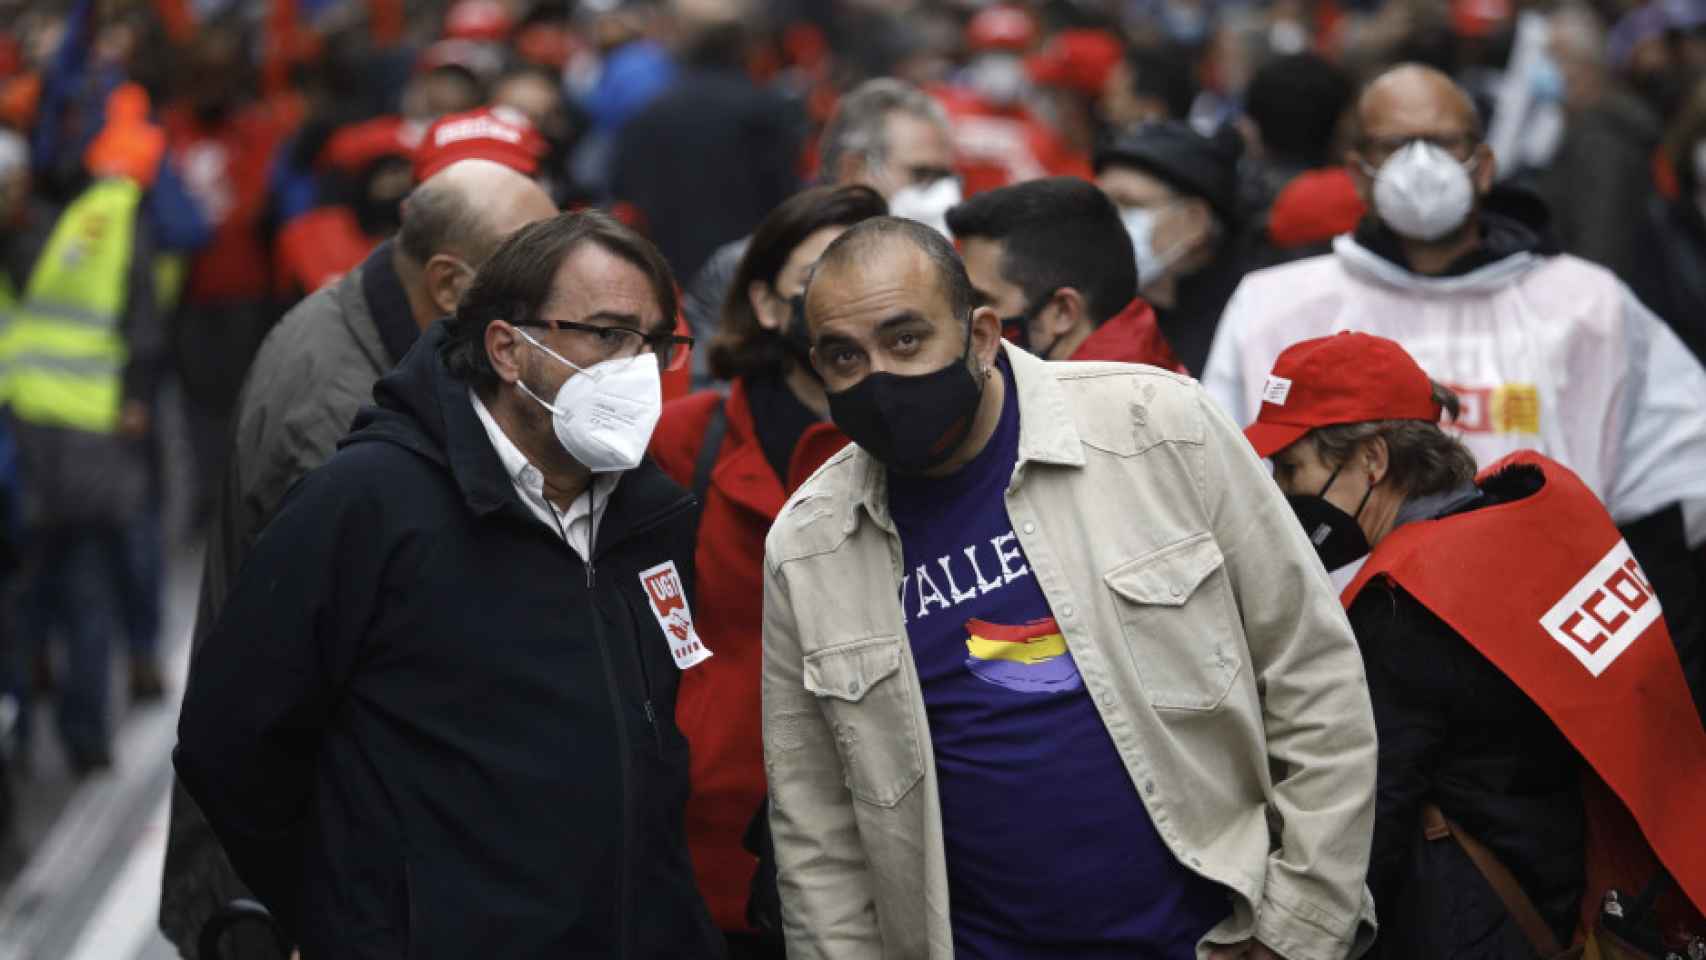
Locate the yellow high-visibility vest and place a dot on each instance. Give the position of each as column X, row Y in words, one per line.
column 62, row 349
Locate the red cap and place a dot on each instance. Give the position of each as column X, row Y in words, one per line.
column 1079, row 60
column 497, row 134
column 1315, row 207
column 1345, row 378
column 482, row 20
column 354, row 147
column 1001, row 27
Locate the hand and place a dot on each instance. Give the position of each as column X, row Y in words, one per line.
column 1248, row 950
column 133, row 419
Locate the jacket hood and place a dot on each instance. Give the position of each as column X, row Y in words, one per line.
column 1516, row 236
column 420, row 407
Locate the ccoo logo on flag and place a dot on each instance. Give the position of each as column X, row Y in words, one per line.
column 1605, row 611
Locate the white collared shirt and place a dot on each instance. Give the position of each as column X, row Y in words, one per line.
column 579, row 523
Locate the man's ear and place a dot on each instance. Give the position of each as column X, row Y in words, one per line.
column 447, row 279
column 504, row 346
column 1359, row 176
column 1486, row 169
column 1066, row 311
column 985, row 338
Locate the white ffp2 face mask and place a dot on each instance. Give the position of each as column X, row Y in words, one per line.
column 1152, row 264
column 927, row 204
column 1423, row 192
column 604, row 415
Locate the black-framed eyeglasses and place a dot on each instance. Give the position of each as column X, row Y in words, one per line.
column 614, row 343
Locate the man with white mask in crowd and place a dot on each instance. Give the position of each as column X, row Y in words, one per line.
column 1546, row 351
column 887, row 135
column 437, row 715
column 1177, row 191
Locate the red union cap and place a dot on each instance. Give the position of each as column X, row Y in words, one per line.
column 1079, row 60
column 1345, row 378
column 481, row 20
column 1002, row 27
column 488, row 133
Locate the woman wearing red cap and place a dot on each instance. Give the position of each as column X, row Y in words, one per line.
column 1507, row 634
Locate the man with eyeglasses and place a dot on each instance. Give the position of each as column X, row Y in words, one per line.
column 308, row 379
column 885, row 134
column 436, row 718
column 1545, row 350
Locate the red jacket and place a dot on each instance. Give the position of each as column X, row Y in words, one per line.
column 1130, row 336
column 717, row 706
column 225, row 168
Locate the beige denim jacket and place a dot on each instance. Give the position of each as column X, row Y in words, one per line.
column 1201, row 622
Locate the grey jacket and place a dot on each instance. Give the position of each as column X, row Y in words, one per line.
column 311, row 375
column 1206, row 632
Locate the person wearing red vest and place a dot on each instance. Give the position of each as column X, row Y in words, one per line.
column 1053, row 259
column 743, row 454
column 1508, row 635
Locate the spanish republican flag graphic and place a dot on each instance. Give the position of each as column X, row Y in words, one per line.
column 1029, row 658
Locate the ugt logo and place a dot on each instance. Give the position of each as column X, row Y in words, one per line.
column 664, row 590
column 1605, row 611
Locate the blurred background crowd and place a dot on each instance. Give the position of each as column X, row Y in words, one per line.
column 274, row 142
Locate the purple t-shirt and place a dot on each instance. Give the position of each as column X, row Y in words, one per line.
column 1050, row 851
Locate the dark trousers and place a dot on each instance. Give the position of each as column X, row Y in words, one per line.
column 71, row 590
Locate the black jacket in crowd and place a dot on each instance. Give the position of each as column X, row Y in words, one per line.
column 1670, row 277
column 1456, row 732
column 424, row 728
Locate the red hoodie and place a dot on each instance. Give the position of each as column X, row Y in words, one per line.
column 1130, row 336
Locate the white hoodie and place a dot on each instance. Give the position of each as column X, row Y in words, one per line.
column 1547, row 352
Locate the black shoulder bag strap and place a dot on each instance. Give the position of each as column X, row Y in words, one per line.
column 708, row 450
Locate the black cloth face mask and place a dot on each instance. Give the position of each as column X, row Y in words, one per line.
column 1017, row 330
column 914, row 423
column 1337, row 537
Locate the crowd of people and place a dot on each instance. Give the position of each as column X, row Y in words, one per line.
column 687, row 478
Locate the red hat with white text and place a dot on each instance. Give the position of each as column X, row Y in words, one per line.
column 1348, row 377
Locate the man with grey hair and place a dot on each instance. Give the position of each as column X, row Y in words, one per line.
column 312, row 373
column 887, row 135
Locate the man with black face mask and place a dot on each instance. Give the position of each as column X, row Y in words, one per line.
column 1032, row 647
column 1054, row 260
column 1547, row 351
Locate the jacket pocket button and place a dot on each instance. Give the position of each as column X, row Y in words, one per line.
column 1175, row 591
column 1030, row 528
column 853, row 688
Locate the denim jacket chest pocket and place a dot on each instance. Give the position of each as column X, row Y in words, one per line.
column 1180, row 623
column 867, row 696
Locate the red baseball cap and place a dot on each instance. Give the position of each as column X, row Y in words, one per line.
column 1078, row 60
column 488, row 133
column 1002, row 27
column 1345, row 378
column 485, row 21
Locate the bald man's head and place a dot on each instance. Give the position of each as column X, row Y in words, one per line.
column 1411, row 102
column 1414, row 93
column 458, row 217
